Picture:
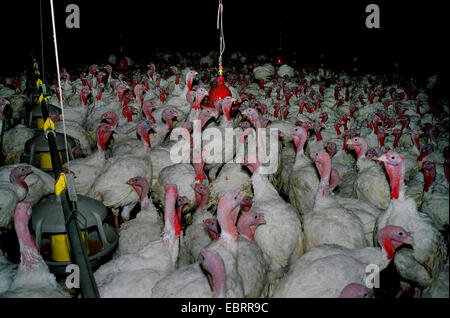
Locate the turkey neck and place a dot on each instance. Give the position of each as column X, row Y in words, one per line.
column 227, row 219
column 26, row 242
column 203, row 201
column 396, row 180
column 19, row 180
column 263, row 189
column 300, row 159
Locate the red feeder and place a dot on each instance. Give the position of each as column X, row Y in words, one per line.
column 122, row 65
column 279, row 60
column 218, row 91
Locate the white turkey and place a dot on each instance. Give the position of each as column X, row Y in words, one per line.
column 147, row 225
column 429, row 253
column 281, row 238
column 33, row 279
column 325, row 270
column 134, row 275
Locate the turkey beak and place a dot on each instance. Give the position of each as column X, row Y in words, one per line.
column 381, row 158
column 410, row 239
column 349, row 143
column 263, row 221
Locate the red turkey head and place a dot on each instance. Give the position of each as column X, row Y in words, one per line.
column 18, row 175
column 395, row 167
column 143, row 130
column 84, row 94
column 354, row 290
column 246, row 203
column 200, row 94
column 147, row 108
column 248, row 222
column 128, row 111
column 190, row 78
column 425, row 151
column 299, row 135
column 360, row 146
column 104, row 131
column 140, row 185
column 205, row 115
column 168, row 114
column 201, row 193
column 212, row 226
column 228, row 211
column 317, row 127
column 138, row 91
column 392, row 237
column 429, row 173
column 226, row 106
column 331, row 148
column 111, row 118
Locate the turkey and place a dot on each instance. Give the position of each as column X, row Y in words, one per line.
column 329, row 222
column 179, row 100
column 111, row 185
column 303, row 180
column 12, row 190
column 134, row 275
column 435, row 196
column 354, row 290
column 13, row 143
column 325, row 270
column 33, row 278
column 196, row 236
column 251, row 262
column 421, row 264
column 226, row 247
column 146, row 227
column 190, row 281
column 371, row 184
column 88, row 169
column 281, row 238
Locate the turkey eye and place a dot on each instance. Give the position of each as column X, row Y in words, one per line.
column 256, row 217
column 392, row 157
column 401, row 233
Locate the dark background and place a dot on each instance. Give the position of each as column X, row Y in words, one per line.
column 412, row 33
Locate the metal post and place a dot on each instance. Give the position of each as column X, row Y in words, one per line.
column 77, row 246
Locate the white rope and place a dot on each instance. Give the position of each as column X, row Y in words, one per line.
column 59, row 82
column 220, row 27
column 42, row 42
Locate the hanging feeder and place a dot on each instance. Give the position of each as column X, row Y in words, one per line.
column 279, row 60
column 37, row 119
column 49, row 229
column 219, row 89
column 37, row 150
column 122, row 64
